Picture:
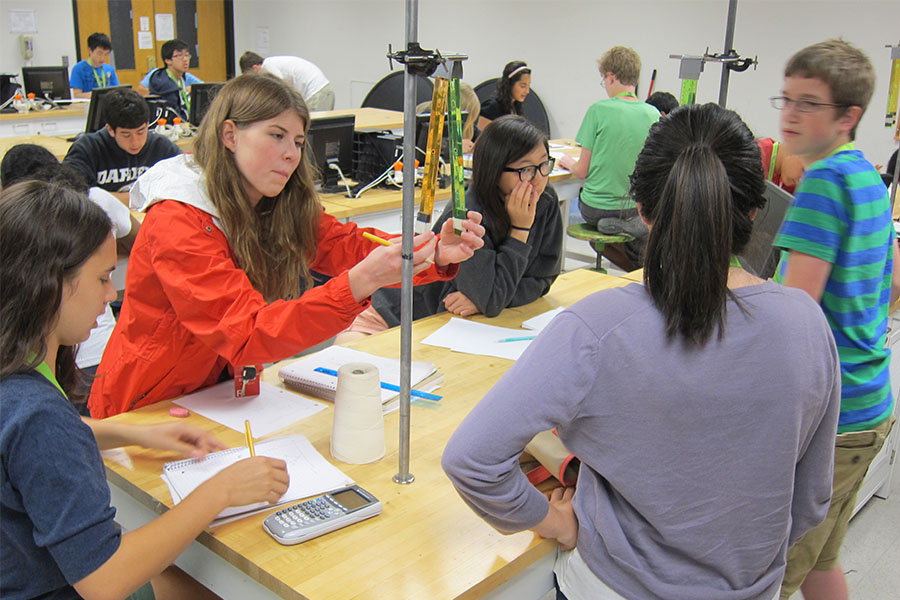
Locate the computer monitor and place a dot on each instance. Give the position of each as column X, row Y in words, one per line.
column 759, row 256
column 331, row 141
column 202, row 95
column 95, row 119
column 47, row 82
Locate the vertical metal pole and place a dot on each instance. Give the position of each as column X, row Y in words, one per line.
column 729, row 45
column 403, row 475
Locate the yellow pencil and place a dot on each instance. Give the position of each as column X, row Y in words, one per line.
column 384, row 242
column 249, row 435
column 376, row 239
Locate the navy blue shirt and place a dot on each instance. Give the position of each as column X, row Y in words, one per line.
column 54, row 500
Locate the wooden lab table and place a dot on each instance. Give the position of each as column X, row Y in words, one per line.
column 367, row 119
column 427, row 544
column 57, row 145
column 58, row 121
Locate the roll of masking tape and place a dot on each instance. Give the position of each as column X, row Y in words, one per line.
column 357, row 434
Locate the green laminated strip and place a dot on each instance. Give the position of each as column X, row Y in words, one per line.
column 457, row 178
column 688, row 91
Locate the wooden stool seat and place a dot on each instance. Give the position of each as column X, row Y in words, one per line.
column 598, row 241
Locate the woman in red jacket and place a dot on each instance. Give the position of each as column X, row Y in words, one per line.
column 231, row 235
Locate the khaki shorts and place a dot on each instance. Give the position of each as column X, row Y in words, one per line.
column 820, row 547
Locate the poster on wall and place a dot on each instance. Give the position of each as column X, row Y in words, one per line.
column 22, row 21
column 165, row 27
column 145, row 40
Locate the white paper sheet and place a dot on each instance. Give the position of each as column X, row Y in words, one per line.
column 542, row 320
column 272, row 410
column 470, row 337
column 310, row 473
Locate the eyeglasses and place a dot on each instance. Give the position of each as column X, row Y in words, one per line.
column 803, row 106
column 528, row 173
column 186, row 55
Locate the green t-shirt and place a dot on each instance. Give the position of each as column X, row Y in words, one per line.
column 614, row 131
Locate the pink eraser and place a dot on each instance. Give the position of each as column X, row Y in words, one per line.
column 177, row 411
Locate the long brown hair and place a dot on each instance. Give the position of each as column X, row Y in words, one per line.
column 275, row 242
column 47, row 232
column 697, row 180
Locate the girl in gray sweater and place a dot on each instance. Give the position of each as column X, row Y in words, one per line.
column 702, row 405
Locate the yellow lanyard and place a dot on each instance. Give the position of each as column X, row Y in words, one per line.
column 100, row 82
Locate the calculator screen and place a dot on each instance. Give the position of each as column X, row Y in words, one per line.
column 350, row 499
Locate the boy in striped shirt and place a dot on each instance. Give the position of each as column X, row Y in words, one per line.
column 838, row 245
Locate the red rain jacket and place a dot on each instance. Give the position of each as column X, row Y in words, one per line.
column 189, row 310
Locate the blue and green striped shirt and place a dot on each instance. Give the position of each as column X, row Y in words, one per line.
column 841, row 214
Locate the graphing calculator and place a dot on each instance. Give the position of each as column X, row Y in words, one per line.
column 316, row 516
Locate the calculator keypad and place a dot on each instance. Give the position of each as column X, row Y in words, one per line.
column 306, row 513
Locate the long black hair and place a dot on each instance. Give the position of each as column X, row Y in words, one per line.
column 47, row 232
column 697, row 180
column 503, row 91
column 503, row 141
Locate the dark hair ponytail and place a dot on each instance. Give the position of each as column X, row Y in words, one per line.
column 697, row 180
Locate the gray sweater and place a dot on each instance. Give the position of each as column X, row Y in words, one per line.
column 699, row 465
column 502, row 273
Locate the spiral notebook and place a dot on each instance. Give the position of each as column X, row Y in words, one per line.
column 310, row 473
column 302, row 376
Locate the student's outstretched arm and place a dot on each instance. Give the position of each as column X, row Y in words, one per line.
column 579, row 167
column 189, row 441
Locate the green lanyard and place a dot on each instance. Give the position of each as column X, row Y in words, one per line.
column 775, row 147
column 626, row 95
column 100, row 82
column 734, row 262
column 185, row 101
column 44, row 370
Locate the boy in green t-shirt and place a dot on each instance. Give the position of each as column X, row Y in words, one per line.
column 611, row 137
column 838, row 242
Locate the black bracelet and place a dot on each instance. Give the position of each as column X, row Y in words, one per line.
column 520, row 228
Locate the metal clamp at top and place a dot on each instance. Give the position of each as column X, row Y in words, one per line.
column 425, row 62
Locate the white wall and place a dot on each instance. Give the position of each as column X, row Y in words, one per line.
column 54, row 39
column 561, row 39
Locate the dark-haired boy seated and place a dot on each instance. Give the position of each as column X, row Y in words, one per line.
column 112, row 158
column 173, row 82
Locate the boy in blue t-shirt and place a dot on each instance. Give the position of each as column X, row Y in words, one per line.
column 838, row 242
column 94, row 71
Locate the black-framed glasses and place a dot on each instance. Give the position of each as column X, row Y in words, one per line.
column 186, row 55
column 803, row 106
column 528, row 173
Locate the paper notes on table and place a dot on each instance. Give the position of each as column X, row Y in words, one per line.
column 470, row 337
column 542, row 320
column 303, row 376
column 272, row 410
column 310, row 473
